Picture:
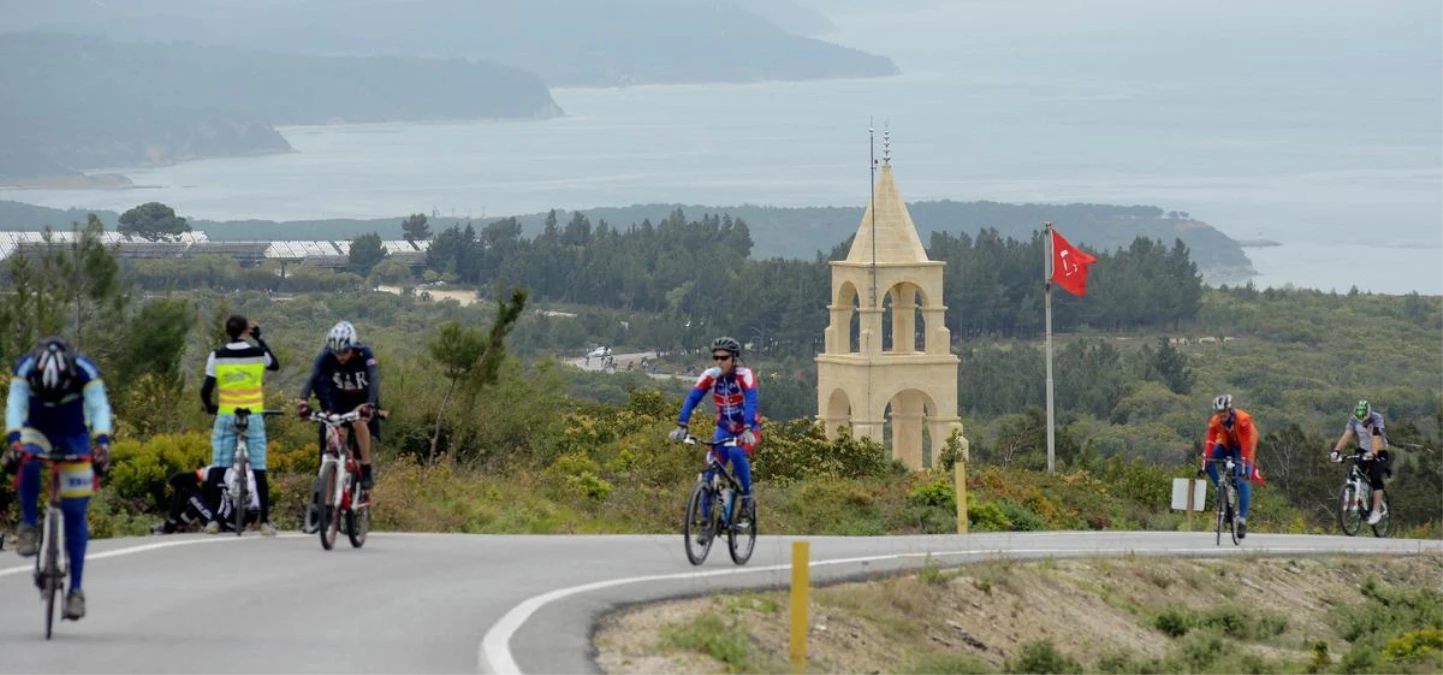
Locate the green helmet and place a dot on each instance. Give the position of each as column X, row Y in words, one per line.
column 1362, row 411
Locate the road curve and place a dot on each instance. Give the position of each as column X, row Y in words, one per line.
column 456, row 603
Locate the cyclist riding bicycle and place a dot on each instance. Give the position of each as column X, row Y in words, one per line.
column 1231, row 434
column 58, row 408
column 734, row 392
column 237, row 372
column 1365, row 423
column 345, row 378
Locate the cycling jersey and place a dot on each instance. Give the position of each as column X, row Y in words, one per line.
column 1363, row 430
column 735, row 397
column 66, row 426
column 1242, row 436
column 341, row 387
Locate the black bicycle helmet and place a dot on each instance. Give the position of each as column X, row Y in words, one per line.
column 727, row 344
column 55, row 374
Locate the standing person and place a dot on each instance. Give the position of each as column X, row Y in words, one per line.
column 1231, row 434
column 734, row 392
column 236, row 372
column 57, row 409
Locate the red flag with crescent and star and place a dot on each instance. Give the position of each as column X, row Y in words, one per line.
column 1069, row 265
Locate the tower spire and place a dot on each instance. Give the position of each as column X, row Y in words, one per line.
column 887, row 143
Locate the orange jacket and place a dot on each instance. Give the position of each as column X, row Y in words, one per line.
column 1243, row 434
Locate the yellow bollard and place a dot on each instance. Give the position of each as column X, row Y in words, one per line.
column 960, row 477
column 801, row 585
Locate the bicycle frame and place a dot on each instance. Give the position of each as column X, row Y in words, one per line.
column 50, row 573
column 716, row 472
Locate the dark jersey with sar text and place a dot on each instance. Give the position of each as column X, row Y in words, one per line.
column 342, row 387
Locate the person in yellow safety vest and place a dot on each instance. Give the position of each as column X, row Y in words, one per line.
column 236, row 373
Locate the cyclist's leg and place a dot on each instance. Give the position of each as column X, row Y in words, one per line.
column 29, row 490
column 1244, row 473
column 77, row 535
column 362, row 430
column 222, row 440
column 1216, row 452
column 77, row 483
column 1377, row 470
column 183, row 486
column 256, row 446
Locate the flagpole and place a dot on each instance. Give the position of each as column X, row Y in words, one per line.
column 1047, row 303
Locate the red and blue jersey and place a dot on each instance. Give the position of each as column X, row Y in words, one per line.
column 735, row 396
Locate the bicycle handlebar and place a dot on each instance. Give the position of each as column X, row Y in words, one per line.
column 337, row 419
column 728, row 442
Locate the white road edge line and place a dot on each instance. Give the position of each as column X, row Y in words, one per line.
column 143, row 548
column 494, row 653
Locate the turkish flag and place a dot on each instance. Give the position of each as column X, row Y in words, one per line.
column 1069, row 265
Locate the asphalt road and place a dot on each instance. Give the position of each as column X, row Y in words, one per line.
column 457, row 603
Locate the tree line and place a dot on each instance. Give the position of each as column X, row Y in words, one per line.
column 702, row 271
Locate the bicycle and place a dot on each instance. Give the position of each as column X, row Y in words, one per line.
column 238, row 482
column 50, row 574
column 709, row 510
column 1355, row 502
column 338, row 493
column 1225, row 505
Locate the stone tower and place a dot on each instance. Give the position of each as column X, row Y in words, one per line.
column 865, row 370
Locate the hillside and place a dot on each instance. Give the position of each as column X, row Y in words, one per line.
column 1137, row 615
column 567, row 42
column 82, row 103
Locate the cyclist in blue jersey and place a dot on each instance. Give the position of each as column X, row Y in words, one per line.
column 1367, row 424
column 734, row 392
column 57, row 408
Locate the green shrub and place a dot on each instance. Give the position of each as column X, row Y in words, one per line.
column 1415, row 644
column 1022, row 518
column 1174, row 622
column 938, row 492
column 1041, row 656
column 986, row 517
column 725, row 641
column 1242, row 623
column 139, row 470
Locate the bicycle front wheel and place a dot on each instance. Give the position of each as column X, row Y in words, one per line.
column 358, row 519
column 698, row 526
column 1233, row 513
column 329, row 515
column 1220, row 510
column 241, row 499
column 52, row 575
column 1349, row 517
column 742, row 535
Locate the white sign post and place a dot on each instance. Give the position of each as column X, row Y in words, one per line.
column 1188, row 495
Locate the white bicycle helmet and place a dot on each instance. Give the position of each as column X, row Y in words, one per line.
column 1223, row 403
column 341, row 338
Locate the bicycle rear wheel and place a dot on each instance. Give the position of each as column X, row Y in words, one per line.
column 742, row 540
column 328, row 517
column 1349, row 518
column 697, row 528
